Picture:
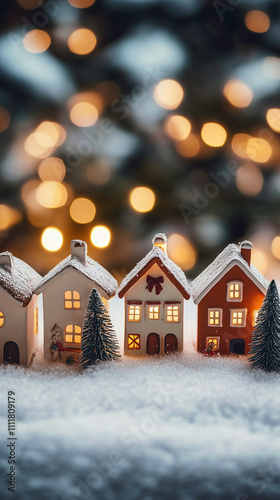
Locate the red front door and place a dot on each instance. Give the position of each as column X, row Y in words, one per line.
column 170, row 343
column 153, row 343
column 11, row 353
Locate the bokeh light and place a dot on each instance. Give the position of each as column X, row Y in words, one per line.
column 82, row 41
column 82, row 210
column 273, row 119
column 33, row 148
column 275, row 247
column 238, row 93
column 258, row 150
column 47, row 135
column 100, row 236
column 213, row 134
column 4, row 119
column 177, row 127
column 52, row 239
column 181, row 251
column 36, row 41
column 249, row 179
column 239, row 144
column 83, row 114
column 168, row 94
column 8, row 217
column 28, row 4
column 52, row 169
column 188, row 147
column 260, row 260
column 257, row 21
column 81, row 4
column 51, row 194
column 142, row 199
column 98, row 173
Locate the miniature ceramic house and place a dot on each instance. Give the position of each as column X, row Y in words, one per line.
column 229, row 293
column 154, row 294
column 19, row 310
column 65, row 290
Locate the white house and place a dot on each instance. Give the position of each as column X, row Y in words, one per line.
column 154, row 293
column 65, row 291
column 19, row 310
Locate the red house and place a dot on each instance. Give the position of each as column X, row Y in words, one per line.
column 229, row 293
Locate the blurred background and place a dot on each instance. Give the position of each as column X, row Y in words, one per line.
column 123, row 118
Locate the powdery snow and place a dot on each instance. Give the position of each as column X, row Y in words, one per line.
column 229, row 255
column 19, row 280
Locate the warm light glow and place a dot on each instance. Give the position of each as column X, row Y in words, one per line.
column 214, row 317
column 275, row 247
column 181, row 251
column 153, row 312
column 255, row 317
column 271, row 67
column 134, row 313
column 8, row 217
column 238, row 93
column 81, row 4
column 51, row 194
column 100, row 236
column 142, row 199
column 82, row 210
column 177, row 127
column 82, row 41
column 73, row 333
column 72, row 300
column 239, row 144
column 36, row 41
column 33, row 148
column 260, row 260
column 234, row 292
column 133, row 341
column 172, row 314
column 5, row 119
column 89, row 97
column 52, row 169
column 238, row 318
column 168, row 94
column 47, row 134
column 258, row 150
column 213, row 135
column 84, row 114
column 52, row 239
column 257, row 21
column 2, row 319
column 273, row 119
column 29, row 4
column 249, row 179
column 188, row 147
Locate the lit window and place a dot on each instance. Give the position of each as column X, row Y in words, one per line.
column 134, row 313
column 2, row 319
column 153, row 312
column 72, row 300
column 215, row 317
column 238, row 317
column 36, row 321
column 73, row 334
column 255, row 316
column 213, row 340
column 172, row 314
column 234, row 291
column 133, row 341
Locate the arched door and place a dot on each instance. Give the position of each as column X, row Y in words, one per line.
column 11, row 353
column 237, row 346
column 170, row 343
column 153, row 343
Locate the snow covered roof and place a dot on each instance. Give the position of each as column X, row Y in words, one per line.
column 229, row 257
column 91, row 269
column 17, row 278
column 173, row 272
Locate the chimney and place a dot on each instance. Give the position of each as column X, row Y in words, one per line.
column 79, row 250
column 6, row 259
column 159, row 241
column 246, row 248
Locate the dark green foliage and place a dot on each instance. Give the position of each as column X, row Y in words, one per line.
column 265, row 346
column 99, row 341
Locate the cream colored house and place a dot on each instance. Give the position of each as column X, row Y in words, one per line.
column 20, row 320
column 154, row 293
column 65, row 291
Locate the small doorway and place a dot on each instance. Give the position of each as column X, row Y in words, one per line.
column 153, row 343
column 237, row 346
column 11, row 353
column 170, row 344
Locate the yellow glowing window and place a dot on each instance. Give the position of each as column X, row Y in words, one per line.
column 73, row 334
column 214, row 317
column 36, row 321
column 255, row 317
column 72, row 300
column 133, row 341
column 153, row 312
column 172, row 314
column 213, row 340
column 2, row 319
column 134, row 313
column 234, row 291
column 238, row 317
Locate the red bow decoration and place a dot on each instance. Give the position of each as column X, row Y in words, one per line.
column 154, row 282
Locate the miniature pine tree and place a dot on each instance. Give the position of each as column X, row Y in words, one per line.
column 99, row 341
column 265, row 346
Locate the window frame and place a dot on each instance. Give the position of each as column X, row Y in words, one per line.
column 73, row 334
column 133, row 341
column 211, row 337
column 235, row 282
column 153, row 312
column 244, row 311
column 72, row 300
column 134, row 314
column 255, row 317
column 220, row 317
column 172, row 315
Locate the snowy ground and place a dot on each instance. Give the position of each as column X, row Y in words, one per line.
column 180, row 427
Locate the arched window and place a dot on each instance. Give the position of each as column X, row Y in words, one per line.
column 72, row 300
column 235, row 291
column 2, row 319
column 73, row 334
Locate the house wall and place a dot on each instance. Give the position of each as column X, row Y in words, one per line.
column 14, row 328
column 146, row 325
column 217, row 298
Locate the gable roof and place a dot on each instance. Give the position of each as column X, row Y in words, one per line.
column 19, row 280
column 228, row 258
column 91, row 269
column 172, row 271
